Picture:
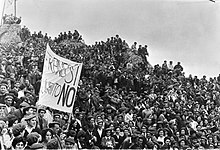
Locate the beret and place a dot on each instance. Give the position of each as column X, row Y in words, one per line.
column 37, row 146
column 4, row 82
column 24, row 104
column 2, row 76
column 53, row 144
column 110, row 107
column 89, row 117
column 71, row 133
column 17, row 129
column 51, row 125
column 108, row 129
column 2, row 105
column 32, row 138
column 41, row 108
column 70, row 140
column 9, row 95
column 57, row 115
column 81, row 133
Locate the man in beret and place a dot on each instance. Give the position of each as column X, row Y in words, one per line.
column 167, row 143
column 19, row 113
column 82, row 142
column 70, row 143
column 3, row 91
column 55, row 126
column 18, row 130
column 3, row 110
column 27, row 111
column 108, row 141
column 2, row 77
column 99, row 133
column 53, row 144
column 42, row 123
column 31, row 125
column 58, row 118
column 9, row 98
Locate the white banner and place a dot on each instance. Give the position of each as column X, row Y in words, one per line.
column 59, row 82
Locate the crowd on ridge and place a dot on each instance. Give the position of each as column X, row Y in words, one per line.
column 119, row 105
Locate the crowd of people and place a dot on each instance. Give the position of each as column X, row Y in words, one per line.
column 11, row 19
column 119, row 105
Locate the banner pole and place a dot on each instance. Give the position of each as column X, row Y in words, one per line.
column 69, row 121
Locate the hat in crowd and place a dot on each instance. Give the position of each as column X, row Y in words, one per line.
column 41, row 108
column 70, row 140
column 52, row 144
column 71, row 133
column 4, row 83
column 108, row 129
column 37, row 146
column 83, row 96
column 110, row 107
column 10, row 118
column 17, row 129
column 99, row 120
column 122, row 109
column 2, row 105
column 2, row 76
column 55, row 115
column 29, row 117
column 203, row 137
column 160, row 122
column 81, row 133
column 9, row 95
column 51, row 125
column 24, row 104
column 28, row 107
column 32, row 138
column 152, row 130
column 90, row 117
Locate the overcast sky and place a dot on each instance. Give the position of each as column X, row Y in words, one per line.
column 180, row 30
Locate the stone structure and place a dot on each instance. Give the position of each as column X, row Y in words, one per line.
column 10, row 33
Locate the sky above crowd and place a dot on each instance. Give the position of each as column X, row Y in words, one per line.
column 179, row 30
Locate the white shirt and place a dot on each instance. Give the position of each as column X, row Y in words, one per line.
column 128, row 117
column 161, row 139
column 29, row 129
column 21, row 94
column 170, row 67
column 193, row 125
column 100, row 132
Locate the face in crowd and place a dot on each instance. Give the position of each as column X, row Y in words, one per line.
column 3, row 89
column 48, row 136
column 32, row 122
column 19, row 146
column 56, row 128
column 69, row 145
column 41, row 113
column 8, row 101
column 30, row 111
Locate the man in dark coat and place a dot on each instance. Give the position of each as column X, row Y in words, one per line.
column 99, row 133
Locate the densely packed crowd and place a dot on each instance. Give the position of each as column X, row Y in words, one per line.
column 119, row 104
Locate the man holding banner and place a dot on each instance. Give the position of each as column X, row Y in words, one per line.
column 59, row 82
